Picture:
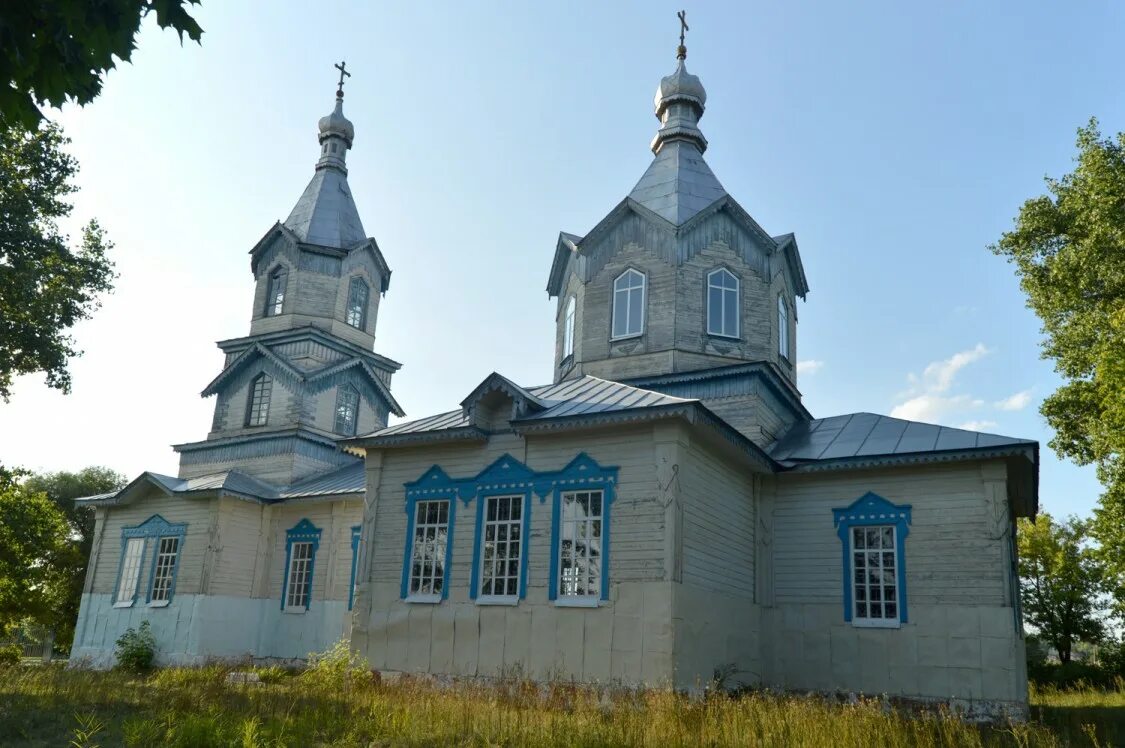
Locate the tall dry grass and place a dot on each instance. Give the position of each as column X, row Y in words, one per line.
column 338, row 703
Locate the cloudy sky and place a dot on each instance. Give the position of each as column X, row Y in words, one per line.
column 896, row 139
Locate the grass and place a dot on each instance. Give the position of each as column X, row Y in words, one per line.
column 335, row 705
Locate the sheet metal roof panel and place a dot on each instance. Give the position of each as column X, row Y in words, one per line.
column 348, row 479
column 851, row 437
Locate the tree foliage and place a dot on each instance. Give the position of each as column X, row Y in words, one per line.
column 33, row 542
column 62, row 488
column 54, row 50
column 45, row 285
column 1060, row 582
column 1068, row 248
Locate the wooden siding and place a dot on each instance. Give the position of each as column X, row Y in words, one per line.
column 195, row 512
column 953, row 553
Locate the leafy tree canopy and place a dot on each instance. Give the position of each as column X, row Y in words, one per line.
column 1060, row 582
column 54, row 50
column 1068, row 248
column 33, row 542
column 45, row 285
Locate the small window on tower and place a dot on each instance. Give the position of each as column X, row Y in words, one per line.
column 782, row 328
column 347, row 408
column 258, row 403
column 568, row 328
column 275, row 293
column 628, row 305
column 357, row 304
column 722, row 303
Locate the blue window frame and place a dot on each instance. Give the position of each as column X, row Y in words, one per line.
column 430, row 511
column 166, row 541
column 500, row 548
column 301, row 543
column 580, row 531
column 873, row 534
column 356, row 530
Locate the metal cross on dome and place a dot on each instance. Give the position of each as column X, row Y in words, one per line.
column 681, row 51
column 340, row 86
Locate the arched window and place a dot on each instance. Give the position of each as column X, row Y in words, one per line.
column 357, row 303
column 568, row 328
column 258, row 401
column 628, row 304
column 722, row 303
column 782, row 327
column 347, row 410
column 275, row 292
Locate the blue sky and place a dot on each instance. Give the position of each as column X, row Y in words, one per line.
column 897, row 140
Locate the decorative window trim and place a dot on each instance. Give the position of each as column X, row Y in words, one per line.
column 158, row 528
column 478, row 545
column 507, row 476
column 568, row 327
column 723, row 290
column 355, row 282
column 613, row 304
column 302, row 532
column 408, row 553
column 867, row 511
column 357, row 531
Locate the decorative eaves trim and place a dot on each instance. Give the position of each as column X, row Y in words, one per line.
column 357, row 445
column 380, row 386
column 1030, row 452
column 495, row 382
column 565, row 250
column 244, row 358
column 315, row 333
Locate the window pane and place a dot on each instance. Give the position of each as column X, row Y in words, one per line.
column 636, row 298
column 715, row 311
column 431, row 534
column 730, row 313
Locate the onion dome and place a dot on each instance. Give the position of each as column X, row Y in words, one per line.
column 336, row 123
column 679, row 102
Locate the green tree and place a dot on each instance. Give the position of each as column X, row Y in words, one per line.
column 54, row 50
column 62, row 488
column 1060, row 582
column 1068, row 248
column 33, row 541
column 45, row 285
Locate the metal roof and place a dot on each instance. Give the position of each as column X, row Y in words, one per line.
column 326, row 214
column 573, row 397
column 871, row 435
column 678, row 183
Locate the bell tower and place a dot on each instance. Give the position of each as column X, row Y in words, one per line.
column 307, row 374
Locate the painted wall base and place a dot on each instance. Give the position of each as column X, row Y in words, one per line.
column 194, row 629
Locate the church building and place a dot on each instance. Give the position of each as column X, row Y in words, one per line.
column 664, row 513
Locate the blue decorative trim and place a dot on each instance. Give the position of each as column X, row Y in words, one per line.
column 302, row 532
column 525, row 531
column 872, row 509
column 507, row 476
column 436, row 475
column 154, row 527
column 356, row 532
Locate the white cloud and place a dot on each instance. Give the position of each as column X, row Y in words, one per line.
column 932, row 407
column 978, row 425
column 938, row 376
column 809, row 367
column 1018, row 401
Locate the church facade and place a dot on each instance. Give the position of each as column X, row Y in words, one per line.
column 665, row 513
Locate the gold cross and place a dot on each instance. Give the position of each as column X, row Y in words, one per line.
column 343, row 72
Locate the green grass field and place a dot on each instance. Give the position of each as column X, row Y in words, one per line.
column 333, row 706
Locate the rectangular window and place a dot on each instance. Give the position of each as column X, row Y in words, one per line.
column 875, row 566
column 258, row 405
column 501, row 549
column 628, row 304
column 347, row 404
column 164, row 570
column 580, row 546
column 299, row 579
column 427, row 556
column 130, row 572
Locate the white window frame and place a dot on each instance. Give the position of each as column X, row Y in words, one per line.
column 642, row 289
column 305, row 591
column 515, row 500
column 164, row 570
column 130, row 573
column 866, row 621
column 782, row 328
column 425, row 527
column 568, row 327
column 589, row 599
column 723, row 291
